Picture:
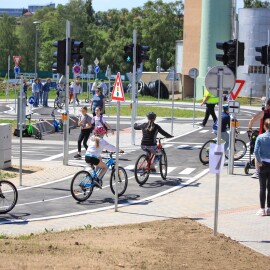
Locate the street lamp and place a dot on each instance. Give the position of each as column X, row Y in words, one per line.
column 36, row 43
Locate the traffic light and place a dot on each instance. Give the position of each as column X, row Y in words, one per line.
column 60, row 65
column 264, row 57
column 232, row 49
column 128, row 53
column 142, row 54
column 75, row 53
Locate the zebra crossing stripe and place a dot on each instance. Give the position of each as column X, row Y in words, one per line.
column 131, row 168
column 187, row 171
column 204, row 131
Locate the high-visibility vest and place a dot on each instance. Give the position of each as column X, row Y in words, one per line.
column 212, row 99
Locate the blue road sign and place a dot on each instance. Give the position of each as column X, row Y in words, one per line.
column 96, row 69
column 31, row 100
column 17, row 70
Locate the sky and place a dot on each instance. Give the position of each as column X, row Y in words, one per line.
column 98, row 5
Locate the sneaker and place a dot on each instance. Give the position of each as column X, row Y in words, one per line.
column 261, row 212
column 98, row 183
column 77, row 156
column 201, row 124
column 255, row 175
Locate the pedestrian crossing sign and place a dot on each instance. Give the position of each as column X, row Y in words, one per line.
column 118, row 92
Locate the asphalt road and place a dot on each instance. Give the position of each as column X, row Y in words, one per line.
column 54, row 199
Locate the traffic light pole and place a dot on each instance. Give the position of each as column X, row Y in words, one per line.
column 133, row 115
column 267, row 71
column 66, row 118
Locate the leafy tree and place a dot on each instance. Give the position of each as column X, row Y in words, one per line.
column 9, row 44
column 89, row 11
column 256, row 4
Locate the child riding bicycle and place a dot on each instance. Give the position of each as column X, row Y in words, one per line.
column 150, row 131
column 96, row 144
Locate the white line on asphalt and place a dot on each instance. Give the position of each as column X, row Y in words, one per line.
column 58, row 155
column 195, row 178
column 187, row 142
column 204, row 131
column 183, row 135
column 187, row 171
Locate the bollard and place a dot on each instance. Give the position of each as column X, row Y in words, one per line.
column 234, row 125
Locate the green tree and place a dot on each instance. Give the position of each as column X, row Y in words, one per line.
column 89, row 11
column 256, row 4
column 8, row 40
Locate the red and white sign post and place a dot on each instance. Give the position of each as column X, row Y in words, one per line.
column 17, row 60
column 237, row 88
column 119, row 96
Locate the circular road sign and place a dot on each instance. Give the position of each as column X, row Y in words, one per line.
column 212, row 83
column 193, row 73
column 77, row 69
column 96, row 69
column 17, row 70
column 31, row 100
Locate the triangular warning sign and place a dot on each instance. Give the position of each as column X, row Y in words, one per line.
column 118, row 92
column 16, row 60
column 237, row 88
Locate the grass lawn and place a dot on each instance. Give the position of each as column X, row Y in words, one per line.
column 9, row 121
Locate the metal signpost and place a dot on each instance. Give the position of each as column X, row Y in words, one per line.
column 172, row 76
column 65, row 114
column 21, row 124
column 234, row 108
column 194, row 73
column 217, row 80
column 119, row 96
column 133, row 96
column 158, row 71
column 96, row 68
column 108, row 75
column 7, row 89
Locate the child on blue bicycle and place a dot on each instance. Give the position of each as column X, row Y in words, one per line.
column 150, row 131
column 96, row 144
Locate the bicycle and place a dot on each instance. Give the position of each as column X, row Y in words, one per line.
column 59, row 101
column 143, row 164
column 240, row 149
column 83, row 182
column 8, row 196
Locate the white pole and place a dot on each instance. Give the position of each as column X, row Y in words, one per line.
column 194, row 99
column 133, row 115
column 7, row 89
column 232, row 144
column 36, row 53
column 220, row 89
column 21, row 127
column 117, row 155
column 66, row 122
column 172, row 101
column 158, row 67
column 267, row 70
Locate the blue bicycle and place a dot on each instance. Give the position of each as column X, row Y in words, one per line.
column 83, row 182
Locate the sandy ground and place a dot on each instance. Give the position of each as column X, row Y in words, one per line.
column 172, row 244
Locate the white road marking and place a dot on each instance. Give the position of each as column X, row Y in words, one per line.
column 167, row 145
column 58, row 155
column 187, row 171
column 204, row 131
column 181, row 185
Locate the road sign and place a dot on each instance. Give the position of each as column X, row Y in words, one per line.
column 193, row 73
column 118, row 92
column 172, row 75
column 31, row 100
column 212, row 82
column 77, row 69
column 96, row 69
column 237, row 88
column 96, row 61
column 16, row 60
column 90, row 68
column 234, row 106
column 216, row 158
column 17, row 70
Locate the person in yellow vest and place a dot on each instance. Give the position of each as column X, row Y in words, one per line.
column 210, row 101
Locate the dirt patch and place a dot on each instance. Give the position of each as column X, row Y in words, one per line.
column 171, row 244
column 13, row 171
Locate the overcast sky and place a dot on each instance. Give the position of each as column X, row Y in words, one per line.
column 98, row 5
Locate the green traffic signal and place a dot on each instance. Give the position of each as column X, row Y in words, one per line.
column 128, row 53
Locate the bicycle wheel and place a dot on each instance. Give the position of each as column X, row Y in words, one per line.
column 81, row 186
column 8, row 196
column 122, row 182
column 163, row 164
column 240, row 149
column 141, row 170
column 204, row 152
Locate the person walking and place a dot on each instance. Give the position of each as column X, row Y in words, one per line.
column 98, row 100
column 35, row 92
column 86, row 127
column 210, row 101
column 262, row 154
column 25, row 87
column 40, row 93
column 260, row 116
column 99, row 120
column 70, row 92
column 104, row 88
column 77, row 90
column 46, row 89
column 94, row 87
